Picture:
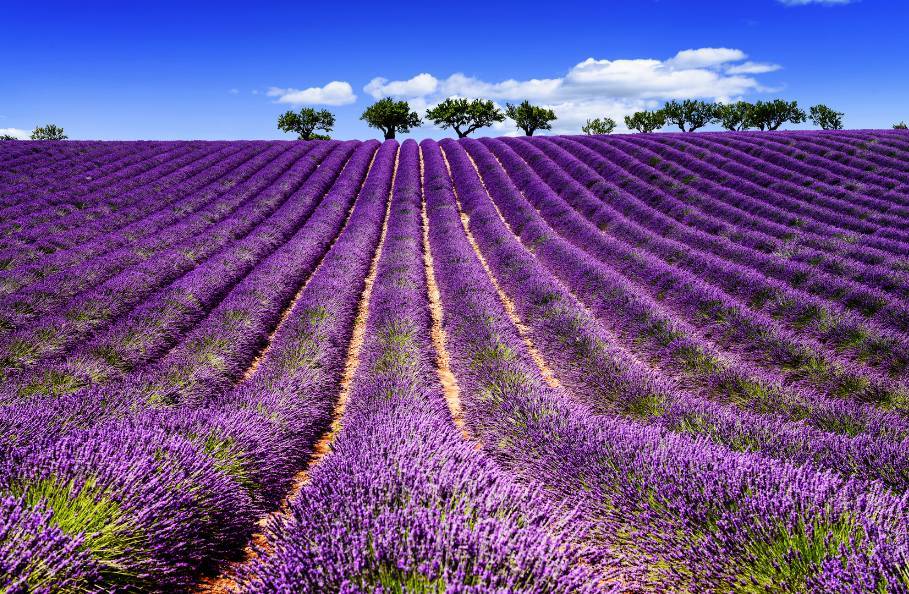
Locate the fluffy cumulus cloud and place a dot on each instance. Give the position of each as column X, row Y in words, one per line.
column 15, row 133
column 534, row 89
column 596, row 88
column 418, row 86
column 334, row 93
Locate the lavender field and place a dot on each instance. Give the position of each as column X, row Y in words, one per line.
column 648, row 363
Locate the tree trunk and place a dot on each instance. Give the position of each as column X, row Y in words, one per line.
column 390, row 134
column 462, row 134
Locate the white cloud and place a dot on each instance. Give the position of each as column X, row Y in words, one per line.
column 419, row 85
column 690, row 73
column 651, row 79
column 16, row 132
column 234, row 91
column 705, row 57
column 806, row 2
column 752, row 68
column 466, row 86
column 334, row 93
column 597, row 87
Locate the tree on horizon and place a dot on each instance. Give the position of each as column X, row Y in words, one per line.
column 391, row 116
column 603, row 125
column 48, row 132
column 646, row 121
column 465, row 116
column 306, row 122
column 530, row 118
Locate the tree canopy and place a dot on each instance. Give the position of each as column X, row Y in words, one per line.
column 306, row 122
column 900, row 126
column 646, row 121
column 48, row 132
column 690, row 114
column 770, row 115
column 599, row 126
column 465, row 116
column 7, row 137
column 530, row 118
column 826, row 118
column 391, row 116
column 734, row 116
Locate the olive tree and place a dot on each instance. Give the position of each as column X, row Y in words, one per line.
column 599, row 126
column 735, row 116
column 770, row 115
column 306, row 122
column 48, row 132
column 646, row 121
column 690, row 114
column 391, row 116
column 826, row 118
column 465, row 116
column 530, row 118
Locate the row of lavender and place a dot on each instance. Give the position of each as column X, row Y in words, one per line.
column 671, row 510
column 652, row 506
column 731, row 412
column 403, row 502
column 117, row 487
column 661, row 508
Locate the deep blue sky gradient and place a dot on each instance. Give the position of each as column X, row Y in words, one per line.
column 165, row 70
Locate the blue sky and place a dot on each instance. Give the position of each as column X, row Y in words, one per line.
column 181, row 70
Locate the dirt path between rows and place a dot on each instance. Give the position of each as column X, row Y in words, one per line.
column 228, row 580
column 523, row 331
column 263, row 352
column 443, row 360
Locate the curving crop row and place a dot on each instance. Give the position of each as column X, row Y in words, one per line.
column 774, row 201
column 666, row 342
column 826, row 203
column 68, row 199
column 671, row 511
column 97, row 307
column 727, row 210
column 562, row 364
column 870, row 341
column 145, row 197
column 157, row 321
column 713, row 238
column 826, row 160
column 239, row 451
column 30, row 266
column 467, row 525
column 693, row 194
column 720, row 319
column 609, row 379
column 108, row 256
column 214, row 354
column 32, row 183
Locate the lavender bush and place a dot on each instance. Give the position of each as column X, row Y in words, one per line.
column 672, row 362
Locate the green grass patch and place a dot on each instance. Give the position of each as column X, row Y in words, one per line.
column 52, row 383
column 785, row 561
column 88, row 511
column 229, row 459
column 497, row 352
